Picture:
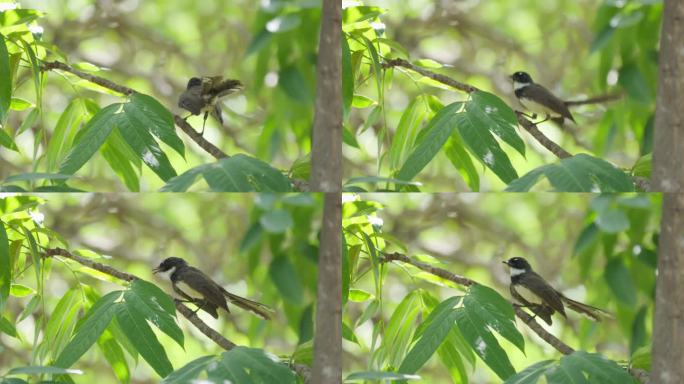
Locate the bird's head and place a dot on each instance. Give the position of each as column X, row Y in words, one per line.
column 518, row 265
column 521, row 77
column 170, row 265
column 194, row 82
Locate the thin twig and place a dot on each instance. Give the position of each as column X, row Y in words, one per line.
column 182, row 124
column 434, row 76
column 189, row 314
column 594, row 100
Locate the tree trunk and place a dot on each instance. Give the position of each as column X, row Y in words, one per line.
column 327, row 367
column 326, row 155
column 668, row 153
column 668, row 327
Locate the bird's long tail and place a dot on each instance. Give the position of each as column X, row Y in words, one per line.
column 596, row 314
column 261, row 310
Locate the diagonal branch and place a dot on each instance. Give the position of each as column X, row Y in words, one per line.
column 528, row 125
column 540, row 137
column 182, row 124
column 189, row 314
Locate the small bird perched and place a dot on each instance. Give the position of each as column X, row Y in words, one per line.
column 533, row 292
column 213, row 295
column 202, row 95
column 539, row 100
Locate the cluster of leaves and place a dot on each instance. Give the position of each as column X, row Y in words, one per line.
column 129, row 134
column 466, row 132
column 617, row 229
column 121, row 322
column 463, row 327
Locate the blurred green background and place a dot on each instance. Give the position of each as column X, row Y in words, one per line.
column 260, row 246
column 597, row 249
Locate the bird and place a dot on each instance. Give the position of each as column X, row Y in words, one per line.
column 184, row 278
column 203, row 94
column 531, row 291
column 539, row 100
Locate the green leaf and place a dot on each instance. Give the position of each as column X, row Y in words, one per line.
column 19, row 290
column 438, row 131
column 139, row 333
column 62, row 321
column 43, row 370
column 7, row 327
column 456, row 153
column 347, row 79
column 114, row 355
column 494, row 312
column 135, row 132
column 620, row 282
column 587, row 237
column 28, row 121
column 531, row 374
column 250, row 365
column 284, row 276
column 33, row 176
column 276, row 221
column 497, row 116
column 295, row 86
column 190, row 371
column 64, row 131
column 122, row 160
column 361, row 101
column 612, row 221
column 379, row 179
column 634, row 82
column 360, row 377
column 484, row 344
column 241, row 173
column 35, row 70
column 147, row 112
column 95, row 133
column 182, row 182
column 439, row 323
column 401, row 327
column 579, row 173
column 5, row 81
column 156, row 306
column 7, row 141
column 5, row 266
column 407, row 131
column 89, row 330
column 598, row 368
column 474, row 129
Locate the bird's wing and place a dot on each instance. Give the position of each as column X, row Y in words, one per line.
column 203, row 285
column 225, row 87
column 544, row 97
column 539, row 287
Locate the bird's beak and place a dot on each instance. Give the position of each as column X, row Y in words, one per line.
column 505, row 262
column 155, row 270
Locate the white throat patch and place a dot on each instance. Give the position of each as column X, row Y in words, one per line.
column 517, row 85
column 516, row 271
column 167, row 274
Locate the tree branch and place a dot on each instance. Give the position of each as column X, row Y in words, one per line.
column 182, row 124
column 434, row 76
column 185, row 311
column 540, row 137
